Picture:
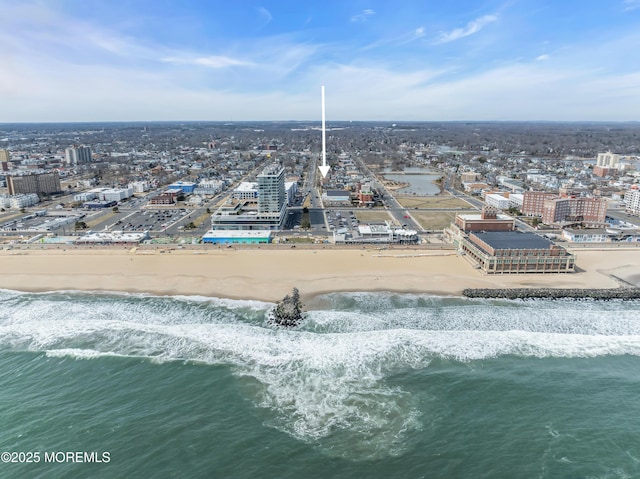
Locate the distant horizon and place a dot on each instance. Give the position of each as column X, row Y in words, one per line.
column 504, row 61
column 313, row 121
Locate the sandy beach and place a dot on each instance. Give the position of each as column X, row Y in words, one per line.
column 268, row 274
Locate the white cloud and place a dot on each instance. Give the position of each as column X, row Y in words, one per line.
column 543, row 57
column 629, row 5
column 212, row 61
column 472, row 27
column 363, row 16
column 266, row 15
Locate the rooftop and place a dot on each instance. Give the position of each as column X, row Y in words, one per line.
column 513, row 240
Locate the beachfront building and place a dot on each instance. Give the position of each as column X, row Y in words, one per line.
column 490, row 243
column 588, row 235
column 381, row 233
column 238, row 237
column 271, row 192
column 269, row 212
column 113, row 238
column 515, row 252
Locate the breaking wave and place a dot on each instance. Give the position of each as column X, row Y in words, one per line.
column 329, row 382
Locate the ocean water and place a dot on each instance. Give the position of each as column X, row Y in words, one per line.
column 371, row 385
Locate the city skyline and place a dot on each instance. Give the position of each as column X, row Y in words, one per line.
column 489, row 60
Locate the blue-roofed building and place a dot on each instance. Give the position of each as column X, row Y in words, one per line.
column 185, row 186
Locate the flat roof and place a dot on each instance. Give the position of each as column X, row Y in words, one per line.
column 478, row 217
column 373, row 229
column 513, row 240
column 238, row 234
column 249, row 186
column 337, row 192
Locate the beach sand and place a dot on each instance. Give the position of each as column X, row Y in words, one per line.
column 268, row 274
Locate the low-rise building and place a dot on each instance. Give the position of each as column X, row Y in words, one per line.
column 85, row 196
column 115, row 194
column 186, row 186
column 247, row 190
column 238, row 236
column 336, row 197
column 587, row 235
column 113, row 238
column 488, row 220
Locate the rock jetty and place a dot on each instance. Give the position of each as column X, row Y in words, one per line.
column 552, row 293
column 288, row 312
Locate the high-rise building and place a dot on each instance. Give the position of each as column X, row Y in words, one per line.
column 4, row 159
column 76, row 155
column 632, row 201
column 271, row 193
column 607, row 160
column 34, row 183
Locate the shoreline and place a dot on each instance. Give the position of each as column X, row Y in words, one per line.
column 268, row 274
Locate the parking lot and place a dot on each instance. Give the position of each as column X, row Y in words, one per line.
column 151, row 219
column 341, row 219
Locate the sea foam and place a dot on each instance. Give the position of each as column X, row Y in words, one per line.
column 334, row 375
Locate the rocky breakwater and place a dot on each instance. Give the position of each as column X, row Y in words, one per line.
column 552, row 293
column 288, row 312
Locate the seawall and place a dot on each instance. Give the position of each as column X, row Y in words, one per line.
column 552, row 293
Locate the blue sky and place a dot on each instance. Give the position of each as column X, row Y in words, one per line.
column 111, row 60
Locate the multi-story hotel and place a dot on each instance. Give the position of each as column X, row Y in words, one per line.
column 533, row 202
column 575, row 210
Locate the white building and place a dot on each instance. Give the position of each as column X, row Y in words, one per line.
column 516, row 200
column 585, row 235
column 208, row 187
column 247, row 190
column 632, row 201
column 19, row 201
column 115, row 194
column 139, row 186
column 290, row 188
column 78, row 155
column 607, row 160
column 114, row 237
column 86, row 196
column 497, row 201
